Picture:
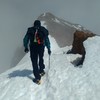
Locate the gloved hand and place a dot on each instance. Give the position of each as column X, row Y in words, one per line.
column 49, row 51
column 26, row 50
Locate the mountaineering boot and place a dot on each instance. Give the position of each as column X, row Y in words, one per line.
column 42, row 73
column 37, row 81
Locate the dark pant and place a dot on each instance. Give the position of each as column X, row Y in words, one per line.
column 36, row 54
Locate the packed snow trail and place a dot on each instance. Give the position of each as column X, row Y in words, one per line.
column 17, row 83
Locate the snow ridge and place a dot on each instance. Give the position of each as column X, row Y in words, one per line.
column 63, row 80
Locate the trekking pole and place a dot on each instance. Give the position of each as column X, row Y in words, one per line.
column 49, row 61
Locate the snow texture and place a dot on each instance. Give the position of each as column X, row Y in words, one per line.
column 63, row 80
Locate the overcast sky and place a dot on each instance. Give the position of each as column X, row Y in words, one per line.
column 85, row 12
column 17, row 15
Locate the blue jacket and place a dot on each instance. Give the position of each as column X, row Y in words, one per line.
column 29, row 37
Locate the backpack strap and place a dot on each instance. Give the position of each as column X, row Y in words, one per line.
column 39, row 37
column 35, row 36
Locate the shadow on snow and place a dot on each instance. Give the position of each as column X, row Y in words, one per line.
column 20, row 73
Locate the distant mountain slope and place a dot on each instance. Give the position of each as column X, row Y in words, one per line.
column 60, row 29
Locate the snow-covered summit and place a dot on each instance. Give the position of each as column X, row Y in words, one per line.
column 49, row 16
column 60, row 29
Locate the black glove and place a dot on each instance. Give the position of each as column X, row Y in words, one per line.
column 26, row 50
column 49, row 51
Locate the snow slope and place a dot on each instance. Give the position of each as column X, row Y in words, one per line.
column 63, row 81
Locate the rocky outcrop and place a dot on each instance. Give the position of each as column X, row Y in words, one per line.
column 79, row 38
column 77, row 46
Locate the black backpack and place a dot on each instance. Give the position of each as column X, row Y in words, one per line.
column 39, row 36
